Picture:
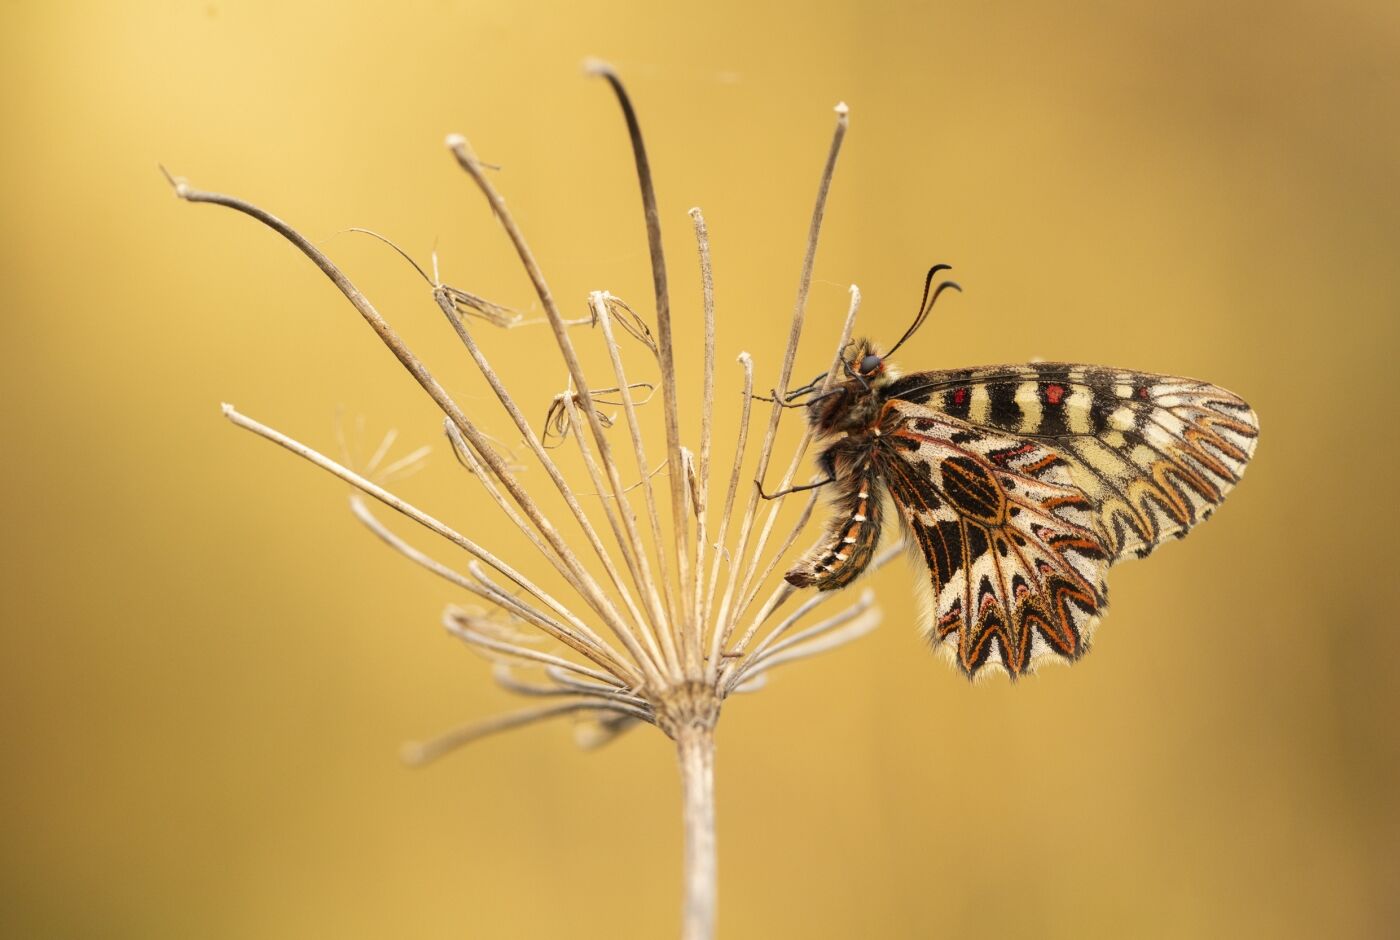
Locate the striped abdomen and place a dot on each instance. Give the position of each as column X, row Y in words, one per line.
column 851, row 538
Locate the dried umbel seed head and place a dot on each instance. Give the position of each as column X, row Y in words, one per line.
column 676, row 597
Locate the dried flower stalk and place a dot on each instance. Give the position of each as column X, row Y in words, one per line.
column 653, row 641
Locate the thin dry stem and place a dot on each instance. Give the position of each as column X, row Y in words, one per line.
column 726, row 615
column 707, row 401
column 418, row 754
column 749, row 593
column 562, row 555
column 476, row 585
column 598, row 302
column 468, row 161
column 491, row 644
column 830, row 640
column 578, row 637
column 623, row 520
column 772, row 645
column 505, row 677
column 493, row 313
column 717, row 633
column 564, row 678
column 536, row 446
column 728, row 678
column 666, row 348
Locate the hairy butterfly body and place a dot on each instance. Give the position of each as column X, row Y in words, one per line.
column 1017, row 486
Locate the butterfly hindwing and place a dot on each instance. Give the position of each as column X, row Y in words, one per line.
column 1015, row 557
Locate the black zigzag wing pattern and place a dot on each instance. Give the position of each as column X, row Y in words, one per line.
column 1015, row 556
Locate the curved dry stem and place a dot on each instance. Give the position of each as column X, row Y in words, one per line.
column 418, row 754
column 568, row 565
column 467, row 160
column 475, row 584
column 832, row 639
column 666, row 348
column 564, row 678
column 491, row 644
column 772, row 645
column 727, row 678
column 361, row 511
column 504, row 676
column 578, row 637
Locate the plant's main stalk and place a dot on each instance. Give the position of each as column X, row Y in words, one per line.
column 696, row 749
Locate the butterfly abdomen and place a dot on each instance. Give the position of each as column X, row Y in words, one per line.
column 849, row 544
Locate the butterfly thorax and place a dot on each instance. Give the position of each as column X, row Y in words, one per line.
column 854, row 405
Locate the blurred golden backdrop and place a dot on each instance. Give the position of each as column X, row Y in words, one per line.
column 209, row 666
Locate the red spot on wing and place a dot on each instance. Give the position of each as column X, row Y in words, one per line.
column 959, row 396
column 1054, row 394
column 1142, row 392
column 1002, row 457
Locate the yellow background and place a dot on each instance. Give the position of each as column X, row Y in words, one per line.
column 208, row 666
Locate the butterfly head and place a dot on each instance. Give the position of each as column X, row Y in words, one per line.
column 854, row 403
column 867, row 366
column 870, row 365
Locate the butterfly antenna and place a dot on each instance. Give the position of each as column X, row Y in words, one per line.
column 926, row 302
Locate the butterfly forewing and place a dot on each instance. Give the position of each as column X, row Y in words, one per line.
column 1156, row 454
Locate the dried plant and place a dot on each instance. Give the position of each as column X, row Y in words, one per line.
column 679, row 618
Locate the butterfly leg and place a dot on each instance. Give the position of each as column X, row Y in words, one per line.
column 792, row 489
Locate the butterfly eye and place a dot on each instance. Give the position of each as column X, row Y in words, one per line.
column 869, row 364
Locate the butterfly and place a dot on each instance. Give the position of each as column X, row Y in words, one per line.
column 1017, row 486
